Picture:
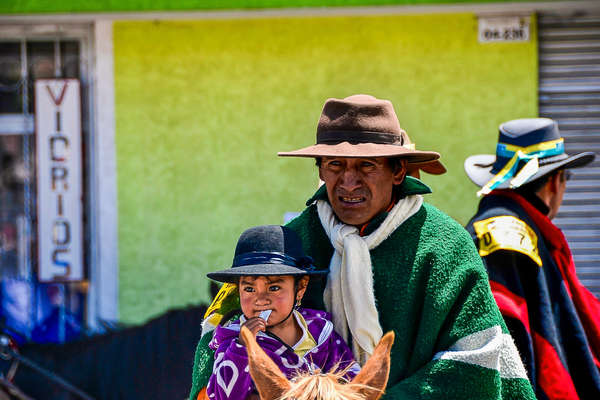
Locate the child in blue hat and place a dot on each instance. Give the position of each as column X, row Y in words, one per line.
column 271, row 273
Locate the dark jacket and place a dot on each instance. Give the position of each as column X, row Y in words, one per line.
column 534, row 297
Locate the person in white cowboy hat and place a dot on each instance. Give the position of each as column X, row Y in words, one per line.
column 396, row 263
column 554, row 319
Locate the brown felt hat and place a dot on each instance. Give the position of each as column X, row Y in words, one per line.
column 434, row 167
column 361, row 126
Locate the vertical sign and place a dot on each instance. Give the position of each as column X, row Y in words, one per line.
column 59, row 172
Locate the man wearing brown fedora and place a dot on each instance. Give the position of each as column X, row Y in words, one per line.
column 396, row 264
column 553, row 318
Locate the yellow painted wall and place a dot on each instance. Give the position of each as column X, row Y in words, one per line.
column 203, row 107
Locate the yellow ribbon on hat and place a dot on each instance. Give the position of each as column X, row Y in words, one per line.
column 517, row 154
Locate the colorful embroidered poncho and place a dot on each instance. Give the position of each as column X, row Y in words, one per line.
column 553, row 318
column 432, row 290
column 231, row 379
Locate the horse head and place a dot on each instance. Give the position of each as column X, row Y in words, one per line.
column 272, row 384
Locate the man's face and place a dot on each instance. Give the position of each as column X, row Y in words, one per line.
column 359, row 188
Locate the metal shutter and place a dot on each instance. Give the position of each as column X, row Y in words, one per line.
column 569, row 92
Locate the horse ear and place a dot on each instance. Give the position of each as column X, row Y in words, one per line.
column 270, row 382
column 376, row 370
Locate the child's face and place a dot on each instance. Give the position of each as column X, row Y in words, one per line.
column 275, row 293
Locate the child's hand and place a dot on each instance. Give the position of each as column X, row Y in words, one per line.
column 255, row 325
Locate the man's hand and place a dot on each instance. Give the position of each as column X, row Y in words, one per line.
column 255, row 325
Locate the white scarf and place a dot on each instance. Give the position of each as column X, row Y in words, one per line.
column 349, row 294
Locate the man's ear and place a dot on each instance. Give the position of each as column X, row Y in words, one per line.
column 554, row 182
column 399, row 172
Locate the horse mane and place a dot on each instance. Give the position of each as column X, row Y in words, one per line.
column 324, row 386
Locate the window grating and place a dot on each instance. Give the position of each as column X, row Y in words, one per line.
column 569, row 92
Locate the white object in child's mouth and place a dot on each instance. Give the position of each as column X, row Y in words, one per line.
column 265, row 314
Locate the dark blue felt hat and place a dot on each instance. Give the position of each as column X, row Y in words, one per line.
column 268, row 250
column 527, row 149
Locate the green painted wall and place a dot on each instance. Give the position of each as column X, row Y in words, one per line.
column 42, row 6
column 203, row 107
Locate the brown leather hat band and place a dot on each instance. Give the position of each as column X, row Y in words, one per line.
column 336, row 137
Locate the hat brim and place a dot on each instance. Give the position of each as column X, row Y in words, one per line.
column 479, row 167
column 433, row 167
column 231, row 275
column 362, row 150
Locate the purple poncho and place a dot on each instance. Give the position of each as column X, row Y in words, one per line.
column 230, row 378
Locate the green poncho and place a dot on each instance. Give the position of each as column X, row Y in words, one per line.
column 431, row 289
